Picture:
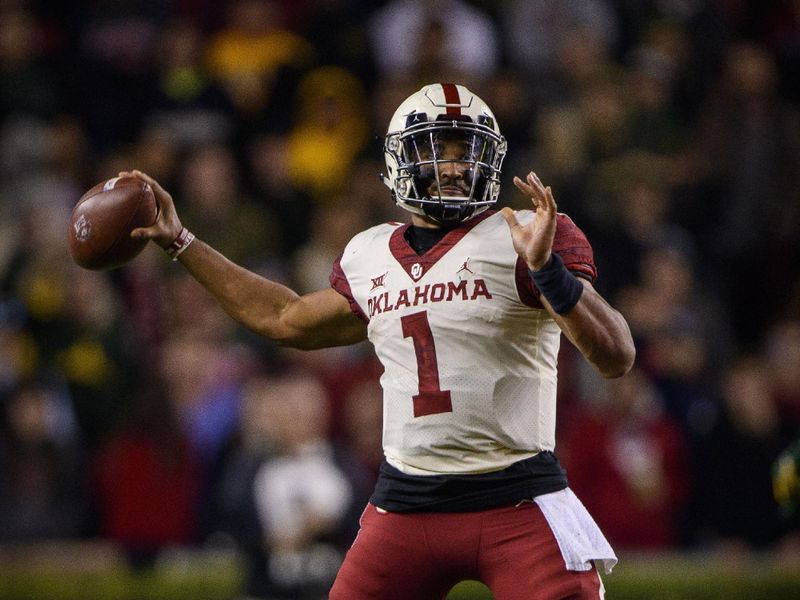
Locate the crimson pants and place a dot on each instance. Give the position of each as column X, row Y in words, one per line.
column 420, row 556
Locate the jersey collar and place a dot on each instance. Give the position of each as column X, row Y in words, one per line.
column 415, row 265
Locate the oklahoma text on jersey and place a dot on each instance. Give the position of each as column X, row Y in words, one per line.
column 430, row 292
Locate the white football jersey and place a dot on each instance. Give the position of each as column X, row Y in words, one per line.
column 469, row 354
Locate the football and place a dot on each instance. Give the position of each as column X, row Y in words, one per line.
column 103, row 218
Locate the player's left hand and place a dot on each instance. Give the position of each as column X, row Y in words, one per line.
column 534, row 241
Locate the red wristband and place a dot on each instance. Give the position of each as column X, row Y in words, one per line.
column 179, row 244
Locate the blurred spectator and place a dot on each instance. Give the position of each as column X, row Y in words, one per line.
column 156, row 148
column 192, row 107
column 204, row 368
column 650, row 87
column 628, row 459
column 42, row 469
column 358, row 451
column 332, row 226
column 98, row 350
column 251, row 53
column 386, row 97
column 369, row 190
column 302, row 494
column 232, row 512
column 692, row 34
column 329, row 131
column 43, row 164
column 537, row 30
column 139, row 283
column 561, row 153
column 271, row 180
column 512, row 105
column 360, row 416
column 434, row 40
column 74, row 319
column 19, row 355
column 679, row 326
column 28, row 84
column 782, row 358
column 735, row 461
column 339, row 36
column 216, row 204
column 606, row 117
column 631, row 214
column 778, row 26
column 146, row 479
column 111, row 78
column 749, row 160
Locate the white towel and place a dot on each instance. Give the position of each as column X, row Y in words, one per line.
column 578, row 536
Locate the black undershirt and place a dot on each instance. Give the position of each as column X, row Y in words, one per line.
column 396, row 491
column 422, row 239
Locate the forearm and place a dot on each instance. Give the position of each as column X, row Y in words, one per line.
column 257, row 303
column 599, row 332
column 318, row 320
column 590, row 323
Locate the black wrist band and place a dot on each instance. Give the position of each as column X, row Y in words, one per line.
column 561, row 288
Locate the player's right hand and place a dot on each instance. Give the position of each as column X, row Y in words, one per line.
column 168, row 225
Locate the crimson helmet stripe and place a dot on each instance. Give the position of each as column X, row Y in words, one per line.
column 452, row 99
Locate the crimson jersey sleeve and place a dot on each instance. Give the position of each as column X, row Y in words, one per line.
column 571, row 245
column 338, row 281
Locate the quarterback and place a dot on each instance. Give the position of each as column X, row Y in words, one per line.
column 465, row 307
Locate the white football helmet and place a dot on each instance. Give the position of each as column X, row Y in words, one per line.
column 443, row 154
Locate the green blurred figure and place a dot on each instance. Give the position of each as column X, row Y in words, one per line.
column 786, row 480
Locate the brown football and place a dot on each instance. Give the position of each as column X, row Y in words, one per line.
column 103, row 218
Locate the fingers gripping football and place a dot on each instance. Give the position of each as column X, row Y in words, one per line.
column 168, row 224
column 534, row 241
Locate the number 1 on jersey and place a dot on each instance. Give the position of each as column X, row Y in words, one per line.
column 431, row 399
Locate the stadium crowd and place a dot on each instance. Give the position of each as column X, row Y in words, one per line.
column 133, row 410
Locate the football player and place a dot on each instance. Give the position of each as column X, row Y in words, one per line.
column 465, row 307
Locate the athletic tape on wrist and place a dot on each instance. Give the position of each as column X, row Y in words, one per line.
column 179, row 244
column 561, row 288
